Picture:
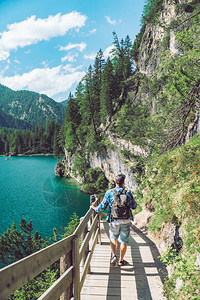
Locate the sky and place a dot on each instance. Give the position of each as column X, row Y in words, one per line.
column 46, row 46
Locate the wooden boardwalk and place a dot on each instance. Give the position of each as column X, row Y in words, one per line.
column 141, row 279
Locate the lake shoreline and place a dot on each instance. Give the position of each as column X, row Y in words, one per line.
column 26, row 154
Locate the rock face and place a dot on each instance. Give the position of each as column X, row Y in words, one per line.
column 153, row 37
column 168, row 236
column 112, row 163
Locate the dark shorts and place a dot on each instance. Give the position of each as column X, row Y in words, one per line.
column 121, row 231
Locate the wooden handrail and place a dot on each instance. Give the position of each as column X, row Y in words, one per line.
column 14, row 276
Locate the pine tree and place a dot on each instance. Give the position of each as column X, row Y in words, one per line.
column 24, row 242
column 71, row 123
column 96, row 84
column 56, row 147
column 107, row 91
column 7, row 146
column 127, row 56
column 87, row 105
column 122, row 51
column 49, row 134
column 2, row 145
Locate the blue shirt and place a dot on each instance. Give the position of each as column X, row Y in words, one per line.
column 108, row 201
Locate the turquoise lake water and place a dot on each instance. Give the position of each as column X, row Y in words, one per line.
column 30, row 190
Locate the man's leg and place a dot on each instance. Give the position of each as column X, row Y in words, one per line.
column 123, row 249
column 124, row 237
column 113, row 246
column 114, row 233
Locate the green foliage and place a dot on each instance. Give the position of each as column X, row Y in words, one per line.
column 80, row 165
column 95, row 181
column 122, row 60
column 32, row 141
column 132, row 123
column 185, row 273
column 174, row 189
column 37, row 286
column 95, row 101
column 72, row 224
column 107, row 92
column 180, row 84
column 15, row 244
column 72, row 121
column 135, row 162
column 137, row 43
column 151, row 8
column 172, row 186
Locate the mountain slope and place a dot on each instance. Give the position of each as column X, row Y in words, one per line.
column 11, row 122
column 30, row 107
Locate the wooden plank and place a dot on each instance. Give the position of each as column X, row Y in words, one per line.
column 57, row 288
column 113, row 270
column 99, row 297
column 87, row 263
column 111, row 291
column 88, row 237
column 113, row 276
column 19, row 273
column 98, row 282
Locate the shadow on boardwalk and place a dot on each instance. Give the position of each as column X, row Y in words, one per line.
column 140, row 279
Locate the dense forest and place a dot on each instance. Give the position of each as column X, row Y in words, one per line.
column 39, row 141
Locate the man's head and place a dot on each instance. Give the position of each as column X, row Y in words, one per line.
column 120, row 179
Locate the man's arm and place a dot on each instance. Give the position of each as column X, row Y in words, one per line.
column 103, row 204
column 132, row 202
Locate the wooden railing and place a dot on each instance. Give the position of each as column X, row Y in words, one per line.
column 74, row 252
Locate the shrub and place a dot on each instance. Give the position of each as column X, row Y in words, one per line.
column 95, row 181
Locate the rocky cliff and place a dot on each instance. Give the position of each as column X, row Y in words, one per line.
column 158, row 36
column 112, row 163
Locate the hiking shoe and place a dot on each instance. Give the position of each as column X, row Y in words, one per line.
column 113, row 260
column 122, row 263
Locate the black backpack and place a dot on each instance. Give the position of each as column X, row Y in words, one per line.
column 120, row 208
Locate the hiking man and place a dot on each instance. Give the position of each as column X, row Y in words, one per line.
column 120, row 202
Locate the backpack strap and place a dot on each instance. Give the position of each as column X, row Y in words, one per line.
column 116, row 192
column 124, row 191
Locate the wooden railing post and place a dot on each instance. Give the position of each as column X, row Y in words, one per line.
column 92, row 200
column 99, row 224
column 65, row 263
column 76, row 268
